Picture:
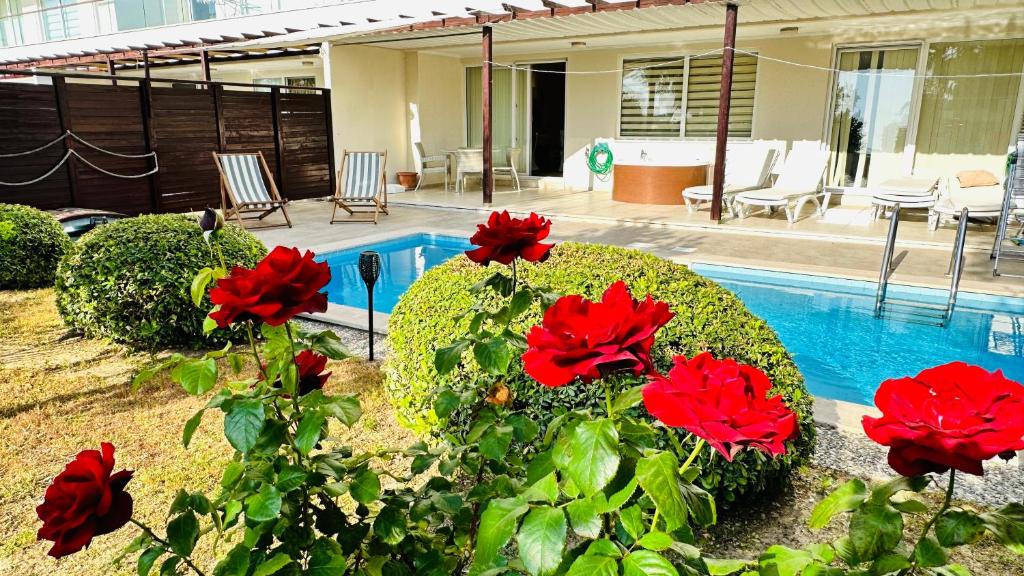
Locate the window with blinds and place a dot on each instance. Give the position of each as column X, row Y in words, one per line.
column 704, row 88
column 652, row 97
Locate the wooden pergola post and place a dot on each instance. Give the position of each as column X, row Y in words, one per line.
column 488, row 175
column 204, row 61
column 724, row 100
column 111, row 71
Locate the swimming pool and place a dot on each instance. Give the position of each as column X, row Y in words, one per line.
column 403, row 261
column 844, row 352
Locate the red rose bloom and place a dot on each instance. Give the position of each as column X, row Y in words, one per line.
column 950, row 416
column 504, row 238
column 311, row 371
column 84, row 501
column 585, row 339
column 283, row 285
column 723, row 402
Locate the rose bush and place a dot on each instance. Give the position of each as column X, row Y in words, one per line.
column 599, row 498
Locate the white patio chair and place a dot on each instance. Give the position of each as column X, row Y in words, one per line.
column 243, row 194
column 467, row 161
column 361, row 187
column 981, row 201
column 430, row 165
column 746, row 168
column 512, row 159
column 799, row 182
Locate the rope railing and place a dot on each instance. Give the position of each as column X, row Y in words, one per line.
column 73, row 153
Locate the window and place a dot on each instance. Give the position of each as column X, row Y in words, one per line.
column 652, row 96
column 657, row 91
column 704, row 87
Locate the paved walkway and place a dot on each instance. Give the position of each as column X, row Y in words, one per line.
column 920, row 264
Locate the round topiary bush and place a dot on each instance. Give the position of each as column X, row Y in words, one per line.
column 32, row 242
column 708, row 317
column 129, row 280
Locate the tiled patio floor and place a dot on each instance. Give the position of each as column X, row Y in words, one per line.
column 922, row 263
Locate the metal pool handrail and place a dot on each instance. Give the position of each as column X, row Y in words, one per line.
column 886, row 270
column 956, row 265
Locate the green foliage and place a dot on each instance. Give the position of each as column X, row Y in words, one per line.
column 432, row 314
column 32, row 242
column 131, row 280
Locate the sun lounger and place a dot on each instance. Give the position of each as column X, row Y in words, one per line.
column 243, row 189
column 799, row 182
column 746, row 169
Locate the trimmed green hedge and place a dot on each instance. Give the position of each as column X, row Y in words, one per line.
column 129, row 280
column 32, row 242
column 708, row 317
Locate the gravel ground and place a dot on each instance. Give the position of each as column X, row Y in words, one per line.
column 850, row 453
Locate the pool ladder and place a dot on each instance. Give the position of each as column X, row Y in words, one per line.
column 919, row 312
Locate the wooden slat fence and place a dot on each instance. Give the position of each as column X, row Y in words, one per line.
column 183, row 125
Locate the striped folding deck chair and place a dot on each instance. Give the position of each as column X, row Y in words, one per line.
column 242, row 185
column 361, row 186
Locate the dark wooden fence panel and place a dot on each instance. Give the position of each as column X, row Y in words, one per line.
column 109, row 117
column 248, row 124
column 304, row 153
column 185, row 126
column 28, row 119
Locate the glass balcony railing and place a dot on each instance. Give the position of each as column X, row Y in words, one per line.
column 34, row 21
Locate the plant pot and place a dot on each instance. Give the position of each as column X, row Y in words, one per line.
column 407, row 179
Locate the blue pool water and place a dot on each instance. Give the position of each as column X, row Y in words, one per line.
column 844, row 352
column 403, row 260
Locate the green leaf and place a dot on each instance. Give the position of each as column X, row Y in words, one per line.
column 584, row 518
column 958, row 527
column 344, row 408
column 329, row 344
column 199, row 283
column 600, row 559
column 881, row 494
column 951, row 570
column 628, row 398
column 182, row 533
column 389, row 525
column 365, row 486
column 545, row 489
column 272, row 565
column 724, row 566
column 541, row 540
column 290, row 478
column 232, row 473
column 446, row 403
column 929, row 553
column 149, row 557
column 190, row 427
column 196, row 376
column 1007, row 525
column 875, row 529
column 520, row 303
column 889, row 563
column 700, row 504
column 656, row 541
column 782, row 561
column 844, row 549
column 264, row 505
column 910, row 506
column 493, row 355
column 237, row 363
column 658, row 476
column 308, row 432
column 594, row 458
column 847, row 497
column 447, row 358
column 243, row 423
column 235, row 563
column 497, row 525
column 523, row 428
column 647, row 563
column 632, row 519
column 325, row 559
column 495, row 442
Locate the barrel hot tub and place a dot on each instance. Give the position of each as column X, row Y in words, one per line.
column 655, row 183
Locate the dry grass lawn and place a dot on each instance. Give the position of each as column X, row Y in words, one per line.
column 62, row 396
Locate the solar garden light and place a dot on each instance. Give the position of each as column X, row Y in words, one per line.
column 369, row 270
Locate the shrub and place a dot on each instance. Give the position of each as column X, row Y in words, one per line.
column 708, row 317
column 32, row 242
column 129, row 280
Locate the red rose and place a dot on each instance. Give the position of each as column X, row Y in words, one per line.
column 723, row 402
column 504, row 238
column 585, row 339
column 84, row 501
column 311, row 371
column 950, row 416
column 283, row 285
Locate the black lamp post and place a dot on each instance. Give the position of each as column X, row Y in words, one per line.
column 369, row 270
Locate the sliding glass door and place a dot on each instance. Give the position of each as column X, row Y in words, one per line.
column 508, row 107
column 873, row 99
